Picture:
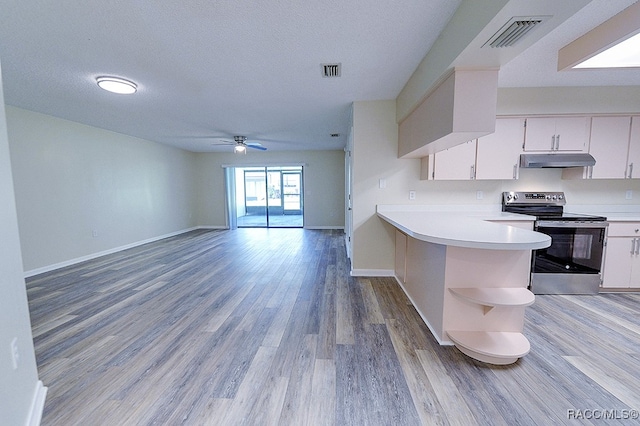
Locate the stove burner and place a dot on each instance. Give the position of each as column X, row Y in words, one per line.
column 544, row 206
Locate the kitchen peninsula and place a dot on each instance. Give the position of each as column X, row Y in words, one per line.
column 467, row 273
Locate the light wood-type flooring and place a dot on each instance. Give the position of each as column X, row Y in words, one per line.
column 266, row 327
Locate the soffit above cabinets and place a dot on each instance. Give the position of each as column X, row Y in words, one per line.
column 461, row 108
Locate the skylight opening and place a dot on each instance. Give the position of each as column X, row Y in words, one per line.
column 625, row 54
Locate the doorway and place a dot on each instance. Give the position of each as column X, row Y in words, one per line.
column 269, row 197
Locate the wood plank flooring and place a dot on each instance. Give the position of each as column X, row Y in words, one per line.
column 266, row 327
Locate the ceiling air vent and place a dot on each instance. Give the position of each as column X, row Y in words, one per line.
column 331, row 70
column 515, row 30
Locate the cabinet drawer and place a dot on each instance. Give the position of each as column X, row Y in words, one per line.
column 624, row 229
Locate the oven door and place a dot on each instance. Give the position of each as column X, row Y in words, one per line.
column 576, row 247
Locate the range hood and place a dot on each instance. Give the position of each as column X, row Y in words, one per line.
column 538, row 161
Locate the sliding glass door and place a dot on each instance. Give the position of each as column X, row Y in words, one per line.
column 269, row 196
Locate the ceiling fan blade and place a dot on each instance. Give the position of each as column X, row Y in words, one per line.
column 255, row 146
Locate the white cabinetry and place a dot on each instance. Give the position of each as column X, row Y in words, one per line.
column 552, row 134
column 498, row 154
column 609, row 145
column 634, row 149
column 622, row 260
column 494, row 156
column 456, row 163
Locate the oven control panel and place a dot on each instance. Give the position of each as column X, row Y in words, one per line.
column 534, row 198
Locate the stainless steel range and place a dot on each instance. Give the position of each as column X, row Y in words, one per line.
column 573, row 262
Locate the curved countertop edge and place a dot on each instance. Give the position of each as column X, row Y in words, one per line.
column 470, row 230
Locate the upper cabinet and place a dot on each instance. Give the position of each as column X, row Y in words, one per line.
column 498, row 154
column 609, row 145
column 615, row 145
column 633, row 160
column 494, row 156
column 552, row 134
column 456, row 163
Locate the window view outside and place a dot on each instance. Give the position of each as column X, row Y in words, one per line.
column 269, row 196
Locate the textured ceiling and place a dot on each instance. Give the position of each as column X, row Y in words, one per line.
column 222, row 68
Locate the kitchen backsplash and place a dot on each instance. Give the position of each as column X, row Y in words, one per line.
column 578, row 192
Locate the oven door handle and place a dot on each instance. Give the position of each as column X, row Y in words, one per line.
column 552, row 224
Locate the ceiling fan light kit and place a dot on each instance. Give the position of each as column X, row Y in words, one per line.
column 240, row 144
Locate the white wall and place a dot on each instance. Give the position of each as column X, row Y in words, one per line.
column 323, row 184
column 375, row 158
column 19, row 387
column 72, row 180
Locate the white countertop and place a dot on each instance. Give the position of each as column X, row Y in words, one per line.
column 464, row 228
column 621, row 213
column 621, row 217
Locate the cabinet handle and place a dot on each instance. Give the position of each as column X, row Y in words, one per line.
column 553, row 142
column 630, row 170
column 590, row 168
column 637, row 246
column 633, row 245
column 557, row 142
column 515, row 171
column 473, row 172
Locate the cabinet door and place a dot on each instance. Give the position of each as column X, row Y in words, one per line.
column 609, row 145
column 540, row 134
column 634, row 281
column 572, row 133
column 617, row 262
column 556, row 134
column 634, row 149
column 498, row 154
column 456, row 163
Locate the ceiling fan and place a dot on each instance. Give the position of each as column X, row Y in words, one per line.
column 240, row 144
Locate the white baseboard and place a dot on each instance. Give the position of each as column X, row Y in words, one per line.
column 37, row 405
column 70, row 262
column 372, row 273
column 324, row 227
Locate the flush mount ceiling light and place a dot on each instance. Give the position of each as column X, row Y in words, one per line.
column 117, row 85
column 612, row 44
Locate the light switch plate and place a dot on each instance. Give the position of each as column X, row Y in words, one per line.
column 412, row 195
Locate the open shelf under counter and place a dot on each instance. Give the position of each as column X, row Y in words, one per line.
column 493, row 347
column 491, row 297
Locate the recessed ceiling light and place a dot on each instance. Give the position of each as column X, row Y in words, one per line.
column 117, row 85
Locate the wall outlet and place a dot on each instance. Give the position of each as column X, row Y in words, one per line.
column 382, row 183
column 628, row 195
column 15, row 354
column 412, row 195
column 479, row 195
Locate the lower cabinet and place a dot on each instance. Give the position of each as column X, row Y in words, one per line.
column 622, row 259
